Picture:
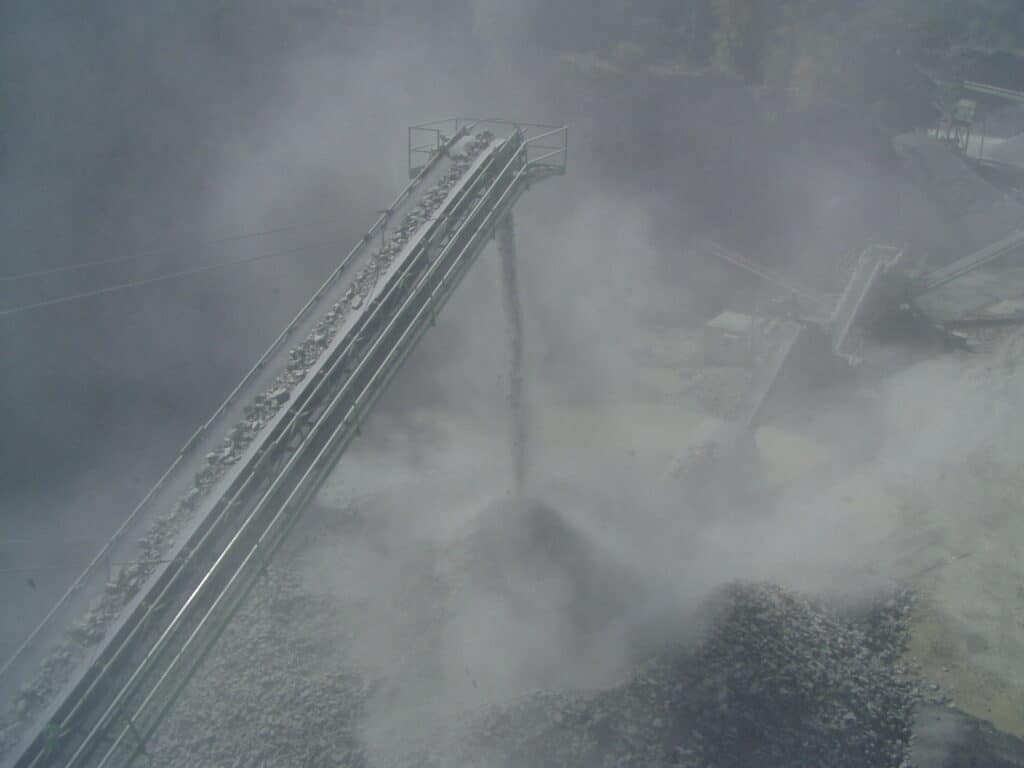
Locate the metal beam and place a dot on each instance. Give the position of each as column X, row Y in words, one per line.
column 766, row 274
column 990, row 253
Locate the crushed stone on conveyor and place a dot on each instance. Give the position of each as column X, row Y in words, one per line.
column 779, row 680
column 127, row 579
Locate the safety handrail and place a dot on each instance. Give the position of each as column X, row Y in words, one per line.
column 530, row 133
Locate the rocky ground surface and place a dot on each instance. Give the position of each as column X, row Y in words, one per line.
column 325, row 670
column 780, row 680
column 775, row 679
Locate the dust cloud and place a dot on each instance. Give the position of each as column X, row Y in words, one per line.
column 449, row 586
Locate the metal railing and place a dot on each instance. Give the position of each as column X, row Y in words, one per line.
column 547, row 145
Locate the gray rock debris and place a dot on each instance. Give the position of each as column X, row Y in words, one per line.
column 780, row 680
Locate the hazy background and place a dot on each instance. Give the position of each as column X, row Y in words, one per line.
column 130, row 129
column 194, row 131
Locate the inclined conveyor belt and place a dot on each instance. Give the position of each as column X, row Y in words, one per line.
column 205, row 533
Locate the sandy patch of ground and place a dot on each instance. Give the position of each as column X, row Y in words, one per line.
column 935, row 646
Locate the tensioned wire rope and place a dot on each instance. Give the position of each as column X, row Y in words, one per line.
column 18, row 309
column 141, row 255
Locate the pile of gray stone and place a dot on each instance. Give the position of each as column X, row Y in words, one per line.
column 779, row 680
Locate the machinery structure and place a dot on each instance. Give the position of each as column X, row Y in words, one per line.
column 121, row 644
column 958, row 124
column 880, row 296
column 965, row 102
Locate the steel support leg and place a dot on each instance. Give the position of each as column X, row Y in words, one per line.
column 514, row 325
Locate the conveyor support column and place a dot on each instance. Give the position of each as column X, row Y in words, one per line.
column 514, row 326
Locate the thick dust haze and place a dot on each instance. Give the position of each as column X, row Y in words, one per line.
column 130, row 129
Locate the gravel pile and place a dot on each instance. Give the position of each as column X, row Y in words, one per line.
column 764, row 677
column 780, row 680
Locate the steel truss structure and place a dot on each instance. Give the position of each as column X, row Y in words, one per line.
column 113, row 704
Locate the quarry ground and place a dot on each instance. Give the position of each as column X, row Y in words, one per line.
column 906, row 475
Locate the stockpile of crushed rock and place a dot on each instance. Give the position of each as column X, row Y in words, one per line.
column 777, row 680
column 780, row 680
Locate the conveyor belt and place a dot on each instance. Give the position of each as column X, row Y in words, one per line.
column 780, row 343
column 1009, row 244
column 366, row 328
column 768, row 275
column 863, row 283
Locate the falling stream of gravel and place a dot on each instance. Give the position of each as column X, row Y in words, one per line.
column 514, row 322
